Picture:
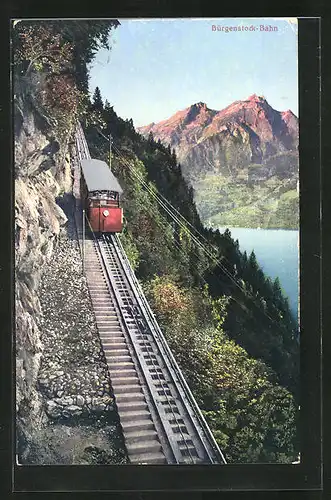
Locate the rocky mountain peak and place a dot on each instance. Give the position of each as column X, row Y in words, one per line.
column 197, row 115
column 200, row 105
column 256, row 98
column 268, row 129
column 197, row 111
column 288, row 114
column 291, row 122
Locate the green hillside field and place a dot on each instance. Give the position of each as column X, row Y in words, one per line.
column 269, row 204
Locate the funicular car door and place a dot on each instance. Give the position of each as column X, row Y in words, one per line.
column 104, row 212
column 102, row 216
column 94, row 215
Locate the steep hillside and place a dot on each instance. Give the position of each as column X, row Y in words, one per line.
column 229, row 327
column 241, row 161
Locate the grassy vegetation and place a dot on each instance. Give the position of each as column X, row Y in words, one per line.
column 273, row 203
column 252, row 417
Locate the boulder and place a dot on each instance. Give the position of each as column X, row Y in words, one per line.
column 52, row 409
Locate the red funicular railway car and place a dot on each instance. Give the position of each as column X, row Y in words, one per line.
column 101, row 197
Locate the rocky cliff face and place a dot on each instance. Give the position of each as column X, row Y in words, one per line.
column 42, row 173
column 247, row 143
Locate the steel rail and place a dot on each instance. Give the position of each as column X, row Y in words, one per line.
column 137, row 286
column 164, row 385
column 137, row 358
column 196, row 418
column 110, row 281
column 125, row 330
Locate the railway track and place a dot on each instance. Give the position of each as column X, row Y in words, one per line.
column 160, row 419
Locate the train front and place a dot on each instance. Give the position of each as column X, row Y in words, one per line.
column 104, row 212
column 102, row 193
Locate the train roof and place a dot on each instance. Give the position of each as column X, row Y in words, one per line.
column 99, row 177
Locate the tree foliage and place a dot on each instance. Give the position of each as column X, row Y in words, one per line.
column 53, row 39
column 51, row 58
column 97, row 103
column 252, row 417
column 87, row 37
column 36, row 47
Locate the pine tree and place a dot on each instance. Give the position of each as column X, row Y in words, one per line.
column 174, row 157
column 277, row 290
column 227, row 233
column 97, row 100
column 253, row 262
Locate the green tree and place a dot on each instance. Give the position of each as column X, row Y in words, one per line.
column 174, row 157
column 87, row 37
column 253, row 262
column 97, row 103
column 37, row 47
column 150, row 138
column 277, row 290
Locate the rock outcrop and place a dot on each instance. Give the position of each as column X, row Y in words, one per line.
column 38, row 219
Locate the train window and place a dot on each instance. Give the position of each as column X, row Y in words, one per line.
column 99, row 199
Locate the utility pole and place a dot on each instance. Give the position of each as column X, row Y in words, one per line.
column 110, row 143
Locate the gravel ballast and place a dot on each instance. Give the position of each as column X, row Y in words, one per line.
column 73, row 377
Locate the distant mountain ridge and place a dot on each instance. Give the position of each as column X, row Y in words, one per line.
column 248, row 142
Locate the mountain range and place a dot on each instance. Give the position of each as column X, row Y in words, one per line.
column 241, row 161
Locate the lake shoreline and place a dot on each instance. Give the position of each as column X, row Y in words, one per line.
column 277, row 252
column 256, row 227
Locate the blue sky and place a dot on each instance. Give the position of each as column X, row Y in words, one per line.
column 157, row 67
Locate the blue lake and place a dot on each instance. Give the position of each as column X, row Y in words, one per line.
column 277, row 251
